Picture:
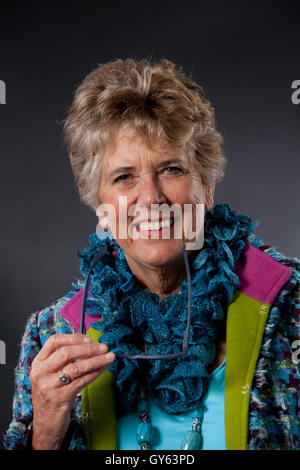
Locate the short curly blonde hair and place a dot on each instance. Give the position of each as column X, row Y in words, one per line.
column 158, row 100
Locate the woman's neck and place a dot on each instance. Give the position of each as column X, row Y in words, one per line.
column 162, row 280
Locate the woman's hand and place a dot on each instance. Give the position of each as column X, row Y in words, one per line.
column 52, row 402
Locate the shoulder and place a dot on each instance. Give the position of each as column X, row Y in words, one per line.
column 292, row 263
column 265, row 273
column 270, row 259
column 274, row 253
column 40, row 325
column 285, row 312
column 47, row 321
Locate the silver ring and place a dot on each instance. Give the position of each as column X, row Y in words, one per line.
column 64, row 378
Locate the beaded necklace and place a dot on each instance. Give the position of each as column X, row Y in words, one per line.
column 192, row 440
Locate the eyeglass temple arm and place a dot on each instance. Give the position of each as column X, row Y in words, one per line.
column 85, row 291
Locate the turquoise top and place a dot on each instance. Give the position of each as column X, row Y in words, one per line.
column 170, row 429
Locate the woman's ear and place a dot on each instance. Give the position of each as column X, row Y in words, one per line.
column 209, row 196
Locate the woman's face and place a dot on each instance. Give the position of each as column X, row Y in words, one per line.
column 148, row 176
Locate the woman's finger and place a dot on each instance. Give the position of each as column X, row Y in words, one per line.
column 86, row 366
column 67, row 354
column 79, row 379
column 77, row 385
column 58, row 340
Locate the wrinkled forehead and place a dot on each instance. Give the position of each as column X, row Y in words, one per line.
column 126, row 143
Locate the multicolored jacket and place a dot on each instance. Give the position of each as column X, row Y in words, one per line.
column 262, row 375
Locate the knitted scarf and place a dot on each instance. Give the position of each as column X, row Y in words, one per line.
column 133, row 317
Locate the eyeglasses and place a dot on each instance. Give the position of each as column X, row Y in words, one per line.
column 142, row 356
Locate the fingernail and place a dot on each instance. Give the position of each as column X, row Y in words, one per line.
column 87, row 339
column 110, row 355
column 103, row 347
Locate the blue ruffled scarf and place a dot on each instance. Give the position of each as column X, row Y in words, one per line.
column 132, row 316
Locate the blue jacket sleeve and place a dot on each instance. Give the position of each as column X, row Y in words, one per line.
column 18, row 435
column 39, row 327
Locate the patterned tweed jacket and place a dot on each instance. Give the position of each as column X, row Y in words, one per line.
column 272, row 409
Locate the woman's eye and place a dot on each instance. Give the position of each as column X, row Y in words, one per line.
column 173, row 170
column 122, row 178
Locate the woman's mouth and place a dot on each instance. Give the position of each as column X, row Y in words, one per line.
column 155, row 229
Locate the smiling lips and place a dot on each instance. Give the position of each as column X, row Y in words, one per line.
column 158, row 225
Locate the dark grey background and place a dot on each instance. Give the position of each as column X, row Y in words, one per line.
column 244, row 54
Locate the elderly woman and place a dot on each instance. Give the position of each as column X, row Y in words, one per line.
column 168, row 341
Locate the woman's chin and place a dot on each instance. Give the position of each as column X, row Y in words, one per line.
column 158, row 252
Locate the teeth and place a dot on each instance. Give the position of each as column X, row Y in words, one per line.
column 154, row 225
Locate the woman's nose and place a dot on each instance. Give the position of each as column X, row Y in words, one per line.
column 149, row 191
